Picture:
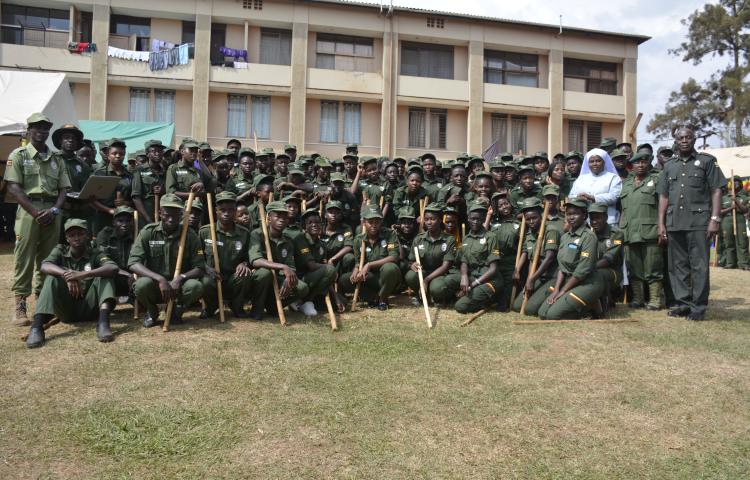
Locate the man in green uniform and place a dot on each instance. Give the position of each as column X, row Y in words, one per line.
column 69, row 139
column 432, row 182
column 77, row 286
column 477, row 259
column 149, row 182
column 116, row 241
column 310, row 259
column 576, row 288
column 349, row 204
column 689, row 217
column 39, row 183
column 406, row 231
column 609, row 253
column 551, row 195
column 733, row 247
column 154, row 259
column 242, row 181
column 232, row 244
column 183, row 176
column 643, row 249
column 337, row 238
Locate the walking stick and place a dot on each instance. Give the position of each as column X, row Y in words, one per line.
column 331, row 313
column 136, row 310
column 423, row 289
column 519, row 250
column 537, row 254
column 215, row 249
column 180, row 255
column 734, row 209
column 422, row 206
column 355, row 298
column 156, row 208
column 269, row 257
column 473, row 317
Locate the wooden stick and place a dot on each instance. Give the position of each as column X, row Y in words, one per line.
column 136, row 309
column 215, row 249
column 156, row 208
column 423, row 289
column 591, row 320
column 180, row 255
column 519, row 250
column 734, row 210
column 355, row 298
column 269, row 257
column 304, row 205
column 54, row 321
column 422, row 206
column 474, row 317
column 331, row 313
column 537, row 254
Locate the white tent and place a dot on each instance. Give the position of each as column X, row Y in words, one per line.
column 734, row 158
column 24, row 93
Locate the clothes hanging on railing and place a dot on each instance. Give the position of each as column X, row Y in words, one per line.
column 159, row 45
column 164, row 59
column 234, row 53
column 127, row 54
column 81, row 47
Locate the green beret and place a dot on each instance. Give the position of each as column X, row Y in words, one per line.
column 171, row 200
column 551, row 190
column 371, row 211
column 598, row 208
column 123, row 209
column 277, row 206
column 406, row 212
column 435, row 207
column 334, row 204
column 76, row 223
column 338, row 177
column 641, row 156
column 476, row 206
column 530, row 204
column 226, row 197
column 577, row 202
column 38, row 118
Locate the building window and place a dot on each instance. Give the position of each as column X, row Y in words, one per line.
column 188, row 32
column 39, row 27
column 352, row 122
column 427, row 60
column 518, row 133
column 139, row 27
column 261, row 113
column 583, row 136
column 500, row 130
column 236, row 116
column 164, row 106
column 329, row 122
column 590, row 77
column 275, row 46
column 140, row 105
column 507, row 68
column 339, row 52
column 575, row 135
column 593, row 134
column 419, row 127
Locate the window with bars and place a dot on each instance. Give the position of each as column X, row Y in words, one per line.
column 593, row 134
column 164, row 106
column 427, row 60
column 507, row 68
column 347, row 53
column 236, row 116
column 352, row 122
column 275, row 46
column 428, row 127
column 435, row 22
column 575, row 135
column 252, row 4
column 140, row 100
column 329, row 122
column 261, row 116
column 589, row 76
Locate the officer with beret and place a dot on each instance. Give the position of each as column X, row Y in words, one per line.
column 689, row 218
column 148, row 182
column 116, row 241
column 576, row 289
column 154, row 259
column 38, row 182
column 78, row 285
column 643, row 249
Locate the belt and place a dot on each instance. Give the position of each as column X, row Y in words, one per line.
column 42, row 198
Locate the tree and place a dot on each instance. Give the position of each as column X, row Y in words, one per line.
column 719, row 29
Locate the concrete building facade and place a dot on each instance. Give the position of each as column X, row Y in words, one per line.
column 322, row 74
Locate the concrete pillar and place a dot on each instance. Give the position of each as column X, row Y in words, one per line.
column 388, row 108
column 74, row 25
column 201, row 75
column 299, row 85
column 629, row 85
column 476, row 97
column 99, row 59
column 555, row 124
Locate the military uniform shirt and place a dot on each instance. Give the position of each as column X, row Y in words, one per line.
column 478, row 251
column 506, row 233
column 144, row 180
column 118, row 249
column 402, row 199
column 517, row 194
column 334, row 242
column 687, row 183
column 640, row 209
column 449, row 190
column 91, row 259
column 610, row 246
column 232, row 247
column 124, row 186
column 180, row 176
column 157, row 251
column 386, row 245
column 282, row 249
column 36, row 173
column 433, row 252
column 578, row 253
column 308, row 250
column 78, row 172
column 239, row 184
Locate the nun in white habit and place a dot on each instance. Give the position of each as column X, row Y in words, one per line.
column 599, row 183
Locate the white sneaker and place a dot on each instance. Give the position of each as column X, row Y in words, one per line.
column 309, row 309
column 295, row 306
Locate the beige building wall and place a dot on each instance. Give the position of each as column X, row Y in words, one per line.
column 253, row 43
column 167, row 30
column 118, row 103
column 612, row 129
column 183, row 118
column 536, row 137
column 235, row 36
column 81, row 92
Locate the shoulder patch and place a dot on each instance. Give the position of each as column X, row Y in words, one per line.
column 617, row 242
column 551, row 241
column 584, row 254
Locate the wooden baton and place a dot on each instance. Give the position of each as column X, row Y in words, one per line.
column 215, row 251
column 734, row 209
column 423, row 289
column 136, row 309
column 537, row 254
column 519, row 250
column 180, row 255
column 269, row 257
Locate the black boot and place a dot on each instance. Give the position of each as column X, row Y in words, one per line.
column 36, row 333
column 177, row 315
column 103, row 331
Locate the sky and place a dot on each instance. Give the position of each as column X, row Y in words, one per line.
column 659, row 72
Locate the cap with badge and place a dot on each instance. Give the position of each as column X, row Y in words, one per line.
column 277, row 206
column 76, row 223
column 435, row 207
column 226, row 196
column 476, row 206
column 334, row 204
column 123, row 209
column 530, row 203
column 550, row 190
column 268, row 151
column 38, row 118
column 323, row 162
column 295, row 169
column 598, row 208
column 171, row 200
column 197, row 204
column 371, row 211
column 406, row 213
column 67, row 128
column 577, row 202
column 338, row 177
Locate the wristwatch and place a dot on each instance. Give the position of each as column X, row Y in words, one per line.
column 183, row 277
column 55, row 211
column 716, row 218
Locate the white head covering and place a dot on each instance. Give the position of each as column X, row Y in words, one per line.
column 608, row 165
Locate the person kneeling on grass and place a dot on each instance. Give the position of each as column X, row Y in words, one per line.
column 154, row 259
column 291, row 288
column 609, row 254
column 78, row 282
column 437, row 252
column 310, row 259
column 480, row 281
column 576, row 289
column 380, row 276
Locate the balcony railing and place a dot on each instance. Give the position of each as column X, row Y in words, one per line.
column 35, row 37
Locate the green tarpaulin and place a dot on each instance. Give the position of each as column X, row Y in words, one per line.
column 135, row 134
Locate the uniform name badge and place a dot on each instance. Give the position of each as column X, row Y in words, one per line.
column 573, row 246
column 697, row 163
column 284, row 253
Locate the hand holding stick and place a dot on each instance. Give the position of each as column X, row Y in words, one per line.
column 355, row 298
column 734, row 207
column 180, row 255
column 215, row 249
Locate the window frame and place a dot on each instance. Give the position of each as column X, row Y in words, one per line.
column 569, row 64
column 430, row 116
column 279, row 33
column 337, row 56
column 422, row 49
column 505, row 58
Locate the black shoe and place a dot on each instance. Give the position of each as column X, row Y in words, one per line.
column 239, row 312
column 104, row 332
column 150, row 319
column 695, row 316
column 256, row 314
column 206, row 314
column 35, row 338
column 372, row 303
column 383, row 306
column 681, row 311
column 177, row 316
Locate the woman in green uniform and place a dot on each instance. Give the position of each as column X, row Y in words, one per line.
column 105, row 208
column 506, row 230
column 609, row 258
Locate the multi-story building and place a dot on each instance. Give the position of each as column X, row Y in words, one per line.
column 322, row 74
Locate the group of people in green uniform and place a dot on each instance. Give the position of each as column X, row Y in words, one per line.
column 498, row 233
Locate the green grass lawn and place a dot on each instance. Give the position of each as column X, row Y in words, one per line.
column 383, row 397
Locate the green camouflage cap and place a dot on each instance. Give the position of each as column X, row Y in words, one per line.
column 608, row 142
column 140, row 153
column 313, row 156
column 622, row 144
column 502, row 193
column 551, row 190
column 506, row 156
column 338, row 177
column 617, row 153
column 574, row 154
column 578, row 202
column 527, row 160
column 483, row 174
column 116, row 141
column 399, row 160
column 645, row 145
column 530, row 204
column 38, row 118
column 245, row 151
column 323, row 162
column 428, row 155
column 276, row 206
column 406, row 212
column 598, row 208
column 474, row 159
column 283, row 155
column 153, row 143
column 451, row 210
column 290, row 198
column 204, row 146
column 268, row 151
column 367, row 159
column 226, row 197
column 258, row 179
column 371, row 211
column 540, row 154
column 475, row 206
column 290, row 146
column 334, row 204
column 350, row 155
column 352, row 146
column 190, row 144
column 462, row 157
column 123, row 209
column 414, row 161
column 337, row 161
column 309, row 212
column 197, row 204
column 665, row 148
column 295, row 169
column 172, row 200
column 131, row 157
column 526, row 168
column 103, row 144
column 447, row 164
column 219, row 155
column 306, row 160
column 435, row 207
column 415, row 168
column 641, row 156
column 76, row 223
column 510, row 165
